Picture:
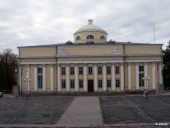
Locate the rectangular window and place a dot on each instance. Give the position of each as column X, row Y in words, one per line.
column 80, row 83
column 40, row 70
column 99, row 70
column 108, row 70
column 63, row 70
column 100, row 83
column 72, row 83
column 141, row 81
column 141, row 68
column 90, row 70
column 63, row 83
column 117, row 70
column 108, row 83
column 80, row 70
column 117, row 83
column 40, row 81
column 71, row 70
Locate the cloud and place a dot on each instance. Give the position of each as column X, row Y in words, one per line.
column 36, row 22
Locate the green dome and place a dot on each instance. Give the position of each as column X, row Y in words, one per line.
column 90, row 27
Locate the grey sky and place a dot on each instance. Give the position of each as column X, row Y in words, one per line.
column 35, row 22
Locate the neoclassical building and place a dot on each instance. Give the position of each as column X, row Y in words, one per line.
column 90, row 64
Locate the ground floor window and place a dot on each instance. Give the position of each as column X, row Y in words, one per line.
column 117, row 83
column 108, row 83
column 141, row 81
column 72, row 83
column 80, row 83
column 100, row 83
column 63, row 84
column 40, row 81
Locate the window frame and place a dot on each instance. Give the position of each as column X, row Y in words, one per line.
column 81, row 71
column 63, row 84
column 63, row 70
column 90, row 70
column 117, row 83
column 117, row 69
column 108, row 71
column 109, row 83
column 80, row 83
column 100, row 70
column 72, row 84
column 100, row 83
column 71, row 70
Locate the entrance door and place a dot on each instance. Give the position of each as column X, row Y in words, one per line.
column 90, row 86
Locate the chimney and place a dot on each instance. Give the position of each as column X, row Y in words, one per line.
column 90, row 22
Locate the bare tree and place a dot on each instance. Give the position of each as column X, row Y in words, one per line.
column 8, row 64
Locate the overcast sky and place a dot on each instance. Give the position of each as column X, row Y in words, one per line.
column 35, row 22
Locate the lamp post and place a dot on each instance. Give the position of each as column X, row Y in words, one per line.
column 146, row 91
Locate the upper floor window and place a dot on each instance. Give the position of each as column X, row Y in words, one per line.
column 108, row 70
column 90, row 70
column 141, row 68
column 90, row 37
column 102, row 37
column 71, row 70
column 99, row 70
column 63, row 70
column 80, row 70
column 117, row 70
column 78, row 38
column 40, row 70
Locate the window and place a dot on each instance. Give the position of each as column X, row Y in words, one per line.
column 108, row 70
column 80, row 70
column 80, row 83
column 141, row 81
column 117, row 70
column 40, row 70
column 99, row 70
column 141, row 68
column 71, row 70
column 102, row 37
column 40, row 81
column 117, row 83
column 100, row 83
column 63, row 70
column 72, row 83
column 78, row 38
column 90, row 37
column 63, row 83
column 90, row 70
column 108, row 83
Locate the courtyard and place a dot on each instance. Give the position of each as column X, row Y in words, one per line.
column 82, row 111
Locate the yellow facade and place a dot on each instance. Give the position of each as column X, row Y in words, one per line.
column 82, row 67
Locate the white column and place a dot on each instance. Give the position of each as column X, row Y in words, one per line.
column 20, row 77
column 122, row 77
column 85, row 78
column 44, row 77
column 104, row 77
column 153, row 76
column 160, row 73
column 113, row 77
column 146, row 74
column 95, row 78
column 137, row 76
column 51, row 78
column 67, row 78
column 76, row 78
column 28, row 75
column 35, row 78
column 129, row 76
column 59, row 79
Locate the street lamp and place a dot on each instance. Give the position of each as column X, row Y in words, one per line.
column 146, row 92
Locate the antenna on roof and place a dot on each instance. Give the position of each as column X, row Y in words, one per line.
column 154, row 33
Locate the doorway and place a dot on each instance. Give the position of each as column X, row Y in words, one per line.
column 90, row 86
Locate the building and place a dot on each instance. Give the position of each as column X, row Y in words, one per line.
column 90, row 64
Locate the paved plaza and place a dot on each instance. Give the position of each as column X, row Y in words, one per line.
column 82, row 111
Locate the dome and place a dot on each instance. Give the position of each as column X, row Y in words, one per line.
column 90, row 27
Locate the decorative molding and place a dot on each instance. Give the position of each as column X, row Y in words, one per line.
column 63, row 51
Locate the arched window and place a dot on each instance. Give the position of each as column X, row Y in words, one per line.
column 78, row 38
column 102, row 37
column 90, row 37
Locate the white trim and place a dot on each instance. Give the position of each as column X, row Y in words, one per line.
column 137, row 76
column 89, row 62
column 76, row 78
column 146, row 74
column 20, row 76
column 95, row 78
column 113, row 77
column 58, row 76
column 122, row 77
column 51, row 78
column 35, row 77
column 44, row 77
column 67, row 78
column 85, row 77
column 160, row 74
column 36, row 57
column 137, row 61
column 28, row 71
column 153, row 76
column 104, row 77
column 37, row 63
column 129, row 76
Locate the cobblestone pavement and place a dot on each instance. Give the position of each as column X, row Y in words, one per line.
column 103, row 111
column 84, row 111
